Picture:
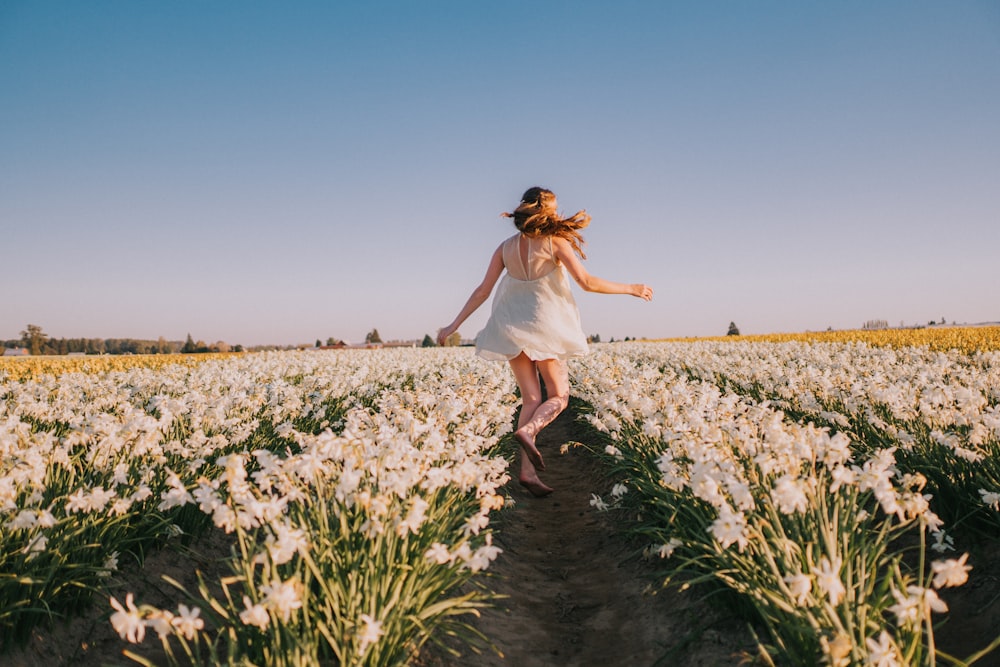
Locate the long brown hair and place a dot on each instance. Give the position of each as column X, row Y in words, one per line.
column 536, row 215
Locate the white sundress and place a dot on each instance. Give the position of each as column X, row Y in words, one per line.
column 533, row 309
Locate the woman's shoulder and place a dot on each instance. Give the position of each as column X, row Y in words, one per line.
column 558, row 243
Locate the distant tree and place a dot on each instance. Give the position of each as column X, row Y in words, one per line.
column 428, row 341
column 333, row 341
column 373, row 337
column 34, row 338
column 594, row 338
column 454, row 340
column 733, row 330
column 189, row 346
column 319, row 343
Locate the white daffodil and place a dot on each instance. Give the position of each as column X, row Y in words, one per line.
column 187, row 622
column 799, row 585
column 730, row 528
column 127, row 620
column 882, row 652
column 828, row 579
column 369, row 633
column 284, row 597
column 254, row 614
column 951, row 572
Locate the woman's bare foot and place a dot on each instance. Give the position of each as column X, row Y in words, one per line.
column 528, row 445
column 537, row 488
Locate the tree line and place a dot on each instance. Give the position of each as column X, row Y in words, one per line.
column 37, row 342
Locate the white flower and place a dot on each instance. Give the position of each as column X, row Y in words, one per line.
column 911, row 608
column 284, row 542
column 283, row 597
column 177, row 496
column 596, row 501
column 730, row 527
column 842, row 476
column 483, row 556
column 475, row 523
column 254, row 614
column 76, row 502
column 110, row 565
column 370, row 632
column 416, row 516
column 667, row 550
column 942, row 542
column 36, row 546
column 99, row 498
column 789, row 495
column 438, row 553
column 619, row 490
column 933, row 603
column 799, row 585
column 24, row 519
column 160, row 620
column 127, row 621
column 828, row 579
column 882, row 653
column 951, row 572
column 187, row 622
column 990, row 498
column 906, row 609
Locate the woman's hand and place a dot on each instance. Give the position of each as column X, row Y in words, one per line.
column 444, row 333
column 644, row 292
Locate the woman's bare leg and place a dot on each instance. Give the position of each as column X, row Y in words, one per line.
column 556, row 379
column 526, row 376
column 536, row 414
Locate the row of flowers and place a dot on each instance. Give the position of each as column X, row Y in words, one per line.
column 356, row 491
column 744, row 464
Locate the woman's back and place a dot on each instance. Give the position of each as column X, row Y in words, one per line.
column 528, row 258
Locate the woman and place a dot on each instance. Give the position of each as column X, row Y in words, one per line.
column 535, row 324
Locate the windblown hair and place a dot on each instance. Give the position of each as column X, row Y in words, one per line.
column 536, row 215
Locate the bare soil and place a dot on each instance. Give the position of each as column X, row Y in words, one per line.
column 573, row 591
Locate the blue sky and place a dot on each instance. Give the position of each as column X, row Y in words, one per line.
column 280, row 172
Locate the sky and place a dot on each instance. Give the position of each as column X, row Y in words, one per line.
column 277, row 173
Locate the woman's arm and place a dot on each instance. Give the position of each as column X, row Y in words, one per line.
column 563, row 252
column 479, row 295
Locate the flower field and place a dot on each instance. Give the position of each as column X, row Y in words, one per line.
column 832, row 487
column 938, row 338
column 357, row 489
column 820, row 482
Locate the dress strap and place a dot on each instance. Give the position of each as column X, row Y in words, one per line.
column 524, row 269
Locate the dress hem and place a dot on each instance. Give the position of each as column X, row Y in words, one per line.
column 534, row 355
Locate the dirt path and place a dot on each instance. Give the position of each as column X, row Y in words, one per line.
column 576, row 592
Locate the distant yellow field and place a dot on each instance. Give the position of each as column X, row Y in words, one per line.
column 21, row 368
column 967, row 339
